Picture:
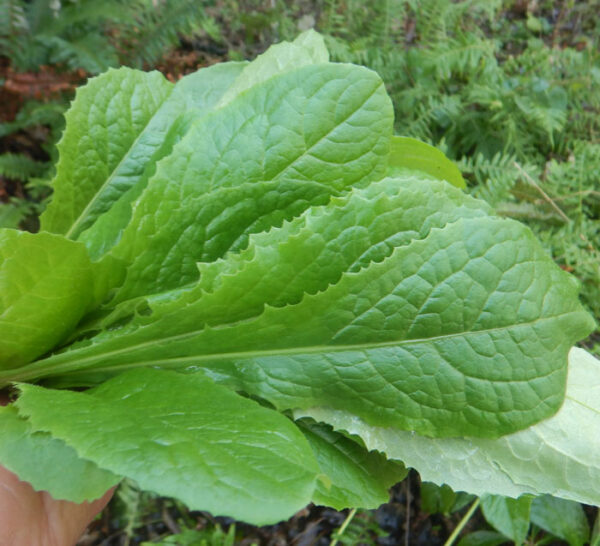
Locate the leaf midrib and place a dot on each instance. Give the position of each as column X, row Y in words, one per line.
column 84, row 213
column 76, row 365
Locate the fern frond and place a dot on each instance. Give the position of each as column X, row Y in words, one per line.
column 462, row 56
column 92, row 52
column 12, row 17
column 158, row 28
column 13, row 24
column 20, row 166
column 494, row 179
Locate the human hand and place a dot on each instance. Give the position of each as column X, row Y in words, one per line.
column 34, row 518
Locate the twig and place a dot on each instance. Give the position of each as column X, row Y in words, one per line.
column 544, row 194
column 169, row 521
column 462, row 523
column 342, row 529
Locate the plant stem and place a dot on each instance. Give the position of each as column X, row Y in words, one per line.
column 341, row 530
column 462, row 523
column 544, row 194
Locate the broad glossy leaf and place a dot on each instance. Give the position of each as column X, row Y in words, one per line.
column 184, row 437
column 47, row 284
column 509, row 516
column 464, row 331
column 280, row 147
column 49, row 464
column 353, row 476
column 559, row 456
column 120, row 124
column 308, row 254
column 411, row 155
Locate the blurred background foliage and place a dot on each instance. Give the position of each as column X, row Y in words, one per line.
column 509, row 89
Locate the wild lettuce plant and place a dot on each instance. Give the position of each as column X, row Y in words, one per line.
column 272, row 300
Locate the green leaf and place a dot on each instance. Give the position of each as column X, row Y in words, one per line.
column 266, row 157
column 49, row 464
column 184, row 437
column 436, row 499
column 120, row 124
column 10, row 216
column 308, row 48
column 482, row 538
column 564, row 519
column 409, row 155
column 105, row 145
column 310, row 253
column 353, row 476
column 451, row 334
column 509, row 516
column 192, row 97
column 559, row 456
column 47, row 284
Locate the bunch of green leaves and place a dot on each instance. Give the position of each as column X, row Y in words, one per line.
column 276, row 301
column 503, row 93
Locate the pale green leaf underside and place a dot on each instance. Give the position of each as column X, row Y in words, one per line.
column 184, row 437
column 354, row 477
column 47, row 284
column 412, row 155
column 49, row 464
column 455, row 328
column 559, row 456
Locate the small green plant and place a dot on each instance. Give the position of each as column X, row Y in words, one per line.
column 260, row 284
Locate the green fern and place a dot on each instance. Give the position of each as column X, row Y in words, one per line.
column 96, row 35
column 13, row 22
column 20, row 166
column 157, row 28
column 362, row 530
